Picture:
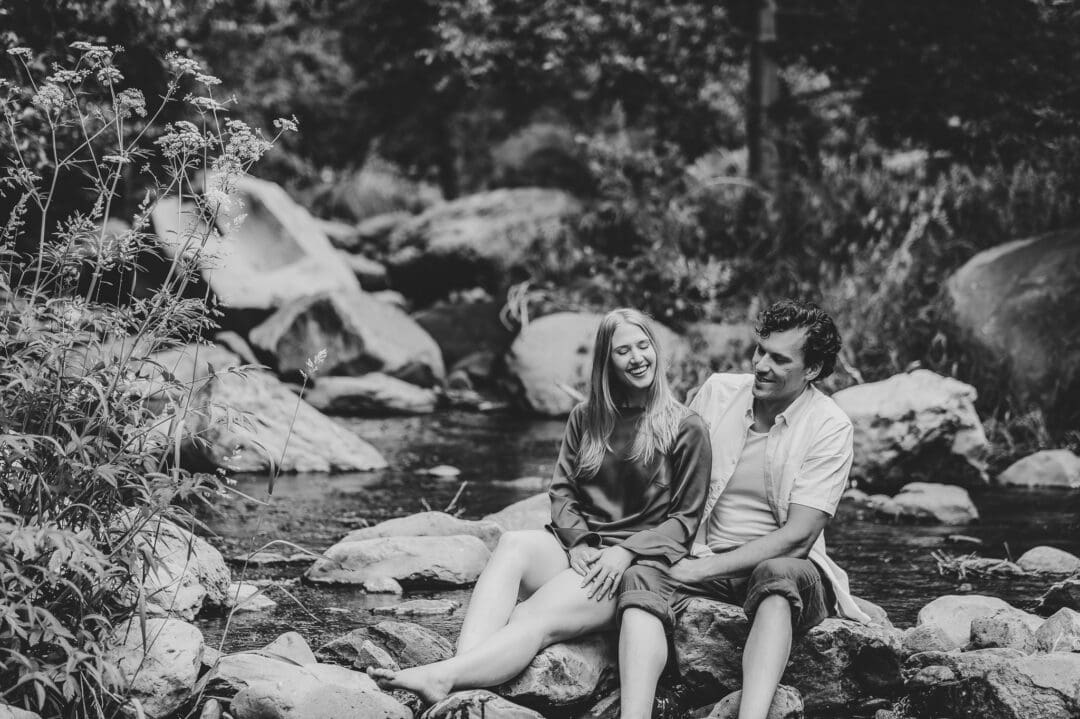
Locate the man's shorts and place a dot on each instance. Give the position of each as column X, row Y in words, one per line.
column 651, row 588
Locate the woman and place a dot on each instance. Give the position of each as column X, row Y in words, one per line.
column 629, row 484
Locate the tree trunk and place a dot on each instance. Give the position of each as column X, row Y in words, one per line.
column 764, row 90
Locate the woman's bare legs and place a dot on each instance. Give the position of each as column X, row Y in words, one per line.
column 557, row 611
column 521, row 563
column 643, row 652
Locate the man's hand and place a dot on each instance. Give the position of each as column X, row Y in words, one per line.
column 581, row 557
column 602, row 580
column 688, row 571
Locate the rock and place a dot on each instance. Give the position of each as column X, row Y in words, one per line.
column 424, row 561
column 236, row 672
column 1017, row 305
column 359, row 333
column 928, row 502
column 787, row 704
column 430, row 524
column 1048, row 468
column 187, row 574
column 478, row 240
column 876, row 613
column 342, row 235
column 926, row 638
column 545, row 154
column 834, row 664
column 211, row 710
column 444, row 471
column 270, row 250
column 464, row 328
column 1009, row 628
column 727, row 347
column 9, row 712
column 915, row 424
column 419, row 608
column 377, row 188
column 369, row 654
column 308, row 698
column 565, row 673
column 375, row 232
column 373, row 394
column 531, row 513
column 1059, row 633
column 953, row 614
column 394, row 299
column 409, row 644
column 158, row 662
column 274, row 416
column 237, row 345
column 1065, row 593
column 246, row 597
column 1049, row 560
column 272, row 559
column 292, row 647
column 552, row 357
column 478, row 704
column 370, row 274
column 382, row 585
column 190, row 366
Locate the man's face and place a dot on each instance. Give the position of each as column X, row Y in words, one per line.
column 780, row 372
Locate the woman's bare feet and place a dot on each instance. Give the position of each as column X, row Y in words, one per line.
column 426, row 682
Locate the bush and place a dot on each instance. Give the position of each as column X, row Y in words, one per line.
column 80, row 444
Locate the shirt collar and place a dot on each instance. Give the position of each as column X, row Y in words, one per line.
column 789, row 415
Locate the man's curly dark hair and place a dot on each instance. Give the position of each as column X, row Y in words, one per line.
column 822, row 338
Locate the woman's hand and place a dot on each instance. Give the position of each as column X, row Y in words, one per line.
column 581, row 557
column 602, row 580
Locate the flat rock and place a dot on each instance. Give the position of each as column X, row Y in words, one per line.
column 159, row 662
column 834, row 664
column 430, row 524
column 9, row 712
column 245, row 421
column 419, row 608
column 1047, row 468
column 928, row 502
column 383, row 585
column 235, row 672
column 915, row 425
column 246, row 597
column 565, row 673
column 478, row 704
column 408, row 644
column 423, row 561
column 291, row 646
column 1060, row 632
column 370, row 274
column 531, row 513
column 371, row 395
column 1065, row 593
column 275, row 254
column 552, row 357
column 272, row 559
column 1049, row 560
column 953, row 614
column 926, row 638
column 308, row 698
column 787, row 704
column 1009, row 628
column 359, row 333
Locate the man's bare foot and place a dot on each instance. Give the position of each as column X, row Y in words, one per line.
column 425, row 681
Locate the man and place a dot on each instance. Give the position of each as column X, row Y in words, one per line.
column 782, row 451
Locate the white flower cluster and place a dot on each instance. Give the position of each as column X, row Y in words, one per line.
column 49, row 98
column 182, row 138
column 244, row 147
column 183, row 65
column 129, row 102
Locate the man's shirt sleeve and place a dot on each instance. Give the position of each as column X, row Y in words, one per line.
column 823, row 474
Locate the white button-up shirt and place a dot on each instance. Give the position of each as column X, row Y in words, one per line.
column 808, row 456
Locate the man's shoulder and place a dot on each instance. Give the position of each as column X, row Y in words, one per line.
column 824, row 408
column 725, row 383
column 719, row 391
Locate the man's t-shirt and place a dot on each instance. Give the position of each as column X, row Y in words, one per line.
column 742, row 512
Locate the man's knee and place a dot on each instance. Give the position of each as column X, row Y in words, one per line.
column 639, row 576
column 779, row 568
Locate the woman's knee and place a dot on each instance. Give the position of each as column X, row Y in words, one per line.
column 519, row 544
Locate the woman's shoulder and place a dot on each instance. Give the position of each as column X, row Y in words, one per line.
column 691, row 424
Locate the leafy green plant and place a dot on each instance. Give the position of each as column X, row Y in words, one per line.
column 87, row 459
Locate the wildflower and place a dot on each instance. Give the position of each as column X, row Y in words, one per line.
column 183, row 65
column 313, row 363
column 80, row 45
column 117, row 159
column 98, row 55
column 66, row 77
column 182, row 138
column 207, row 80
column 206, row 104
column 21, row 52
column 130, row 102
column 109, row 75
column 49, row 98
column 286, row 124
column 244, row 144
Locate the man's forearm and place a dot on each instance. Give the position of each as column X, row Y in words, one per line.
column 742, row 560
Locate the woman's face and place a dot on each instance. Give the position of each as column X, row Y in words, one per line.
column 633, row 357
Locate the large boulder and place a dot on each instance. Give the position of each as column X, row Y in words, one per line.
column 916, row 425
column 463, row 328
column 479, row 240
column 1048, row 468
column 406, row 643
column 1018, row 302
column 9, row 712
column 1060, row 632
column 552, row 357
column 359, row 333
column 430, row 524
column 416, row 561
column 244, row 422
column 158, row 662
column 565, row 673
column 377, row 188
column 786, row 704
column 375, row 394
column 307, row 697
column 236, row 672
column 927, row 502
column 833, row 665
column 953, row 615
column 530, row 513
column 269, row 250
column 1049, row 560
column 1065, row 593
column 1009, row 628
column 478, row 704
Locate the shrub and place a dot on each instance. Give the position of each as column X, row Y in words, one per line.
column 80, row 444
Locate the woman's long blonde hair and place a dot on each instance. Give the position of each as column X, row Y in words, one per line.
column 659, row 423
